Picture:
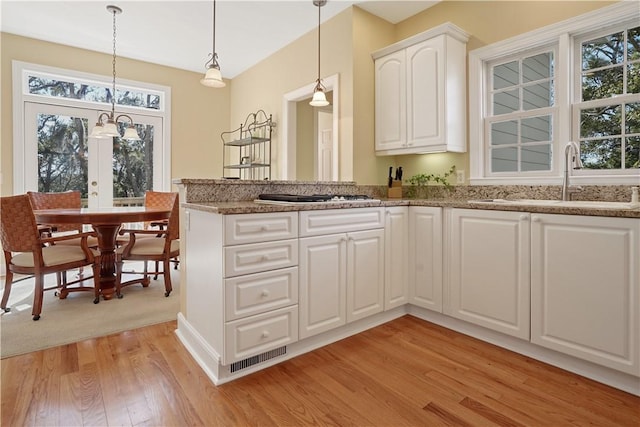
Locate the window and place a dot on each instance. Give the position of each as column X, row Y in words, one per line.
column 607, row 104
column 520, row 123
column 55, row 111
column 532, row 94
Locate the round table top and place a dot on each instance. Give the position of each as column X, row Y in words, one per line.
column 98, row 216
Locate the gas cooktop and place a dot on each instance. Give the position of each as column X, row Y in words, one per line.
column 314, row 198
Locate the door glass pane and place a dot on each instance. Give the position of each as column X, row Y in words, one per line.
column 62, row 153
column 133, row 167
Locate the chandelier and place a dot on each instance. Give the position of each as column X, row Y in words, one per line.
column 213, row 76
column 319, row 98
column 109, row 128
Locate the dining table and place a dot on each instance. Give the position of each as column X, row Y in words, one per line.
column 106, row 222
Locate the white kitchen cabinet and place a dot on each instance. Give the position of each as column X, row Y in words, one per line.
column 425, row 257
column 396, row 259
column 489, row 277
column 242, row 272
column 585, row 288
column 341, row 275
column 420, row 93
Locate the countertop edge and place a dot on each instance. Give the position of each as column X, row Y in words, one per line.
column 247, row 207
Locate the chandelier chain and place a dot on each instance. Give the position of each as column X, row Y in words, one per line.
column 113, row 94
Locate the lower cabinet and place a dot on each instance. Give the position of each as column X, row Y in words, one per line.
column 341, row 279
column 585, row 288
column 396, row 256
column 489, row 274
column 425, row 257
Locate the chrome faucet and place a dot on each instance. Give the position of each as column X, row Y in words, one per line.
column 572, row 149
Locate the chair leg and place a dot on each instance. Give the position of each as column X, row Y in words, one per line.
column 7, row 290
column 38, row 294
column 155, row 276
column 167, row 277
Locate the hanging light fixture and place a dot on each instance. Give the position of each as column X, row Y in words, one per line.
column 213, row 76
column 110, row 128
column 319, row 97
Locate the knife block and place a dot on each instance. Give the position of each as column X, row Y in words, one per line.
column 395, row 191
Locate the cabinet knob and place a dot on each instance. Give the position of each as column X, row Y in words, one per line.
column 536, row 219
column 265, row 293
column 524, row 217
column 265, row 334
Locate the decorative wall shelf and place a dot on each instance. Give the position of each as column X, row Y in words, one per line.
column 247, row 149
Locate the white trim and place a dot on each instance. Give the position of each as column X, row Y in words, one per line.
column 561, row 34
column 288, row 147
column 20, row 71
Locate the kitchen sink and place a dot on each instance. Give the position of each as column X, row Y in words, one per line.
column 585, row 204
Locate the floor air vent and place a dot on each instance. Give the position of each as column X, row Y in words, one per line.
column 254, row 360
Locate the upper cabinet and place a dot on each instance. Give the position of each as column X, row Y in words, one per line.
column 420, row 93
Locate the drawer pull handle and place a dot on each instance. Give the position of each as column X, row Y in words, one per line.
column 265, row 334
column 264, row 293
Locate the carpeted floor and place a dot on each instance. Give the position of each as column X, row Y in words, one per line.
column 76, row 318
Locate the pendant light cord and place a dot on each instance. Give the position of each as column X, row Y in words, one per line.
column 319, row 6
column 214, row 28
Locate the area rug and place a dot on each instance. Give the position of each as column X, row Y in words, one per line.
column 77, row 318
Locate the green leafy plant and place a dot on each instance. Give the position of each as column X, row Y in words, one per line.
column 421, row 184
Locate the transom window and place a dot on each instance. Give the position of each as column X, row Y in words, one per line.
column 534, row 93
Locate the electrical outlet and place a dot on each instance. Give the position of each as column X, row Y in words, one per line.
column 460, row 178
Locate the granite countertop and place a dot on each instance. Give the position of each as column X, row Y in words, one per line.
column 245, row 207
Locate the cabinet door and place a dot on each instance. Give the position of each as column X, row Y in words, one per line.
column 489, row 269
column 585, row 286
column 425, row 257
column 396, row 257
column 365, row 273
column 390, row 102
column 323, row 274
column 425, row 92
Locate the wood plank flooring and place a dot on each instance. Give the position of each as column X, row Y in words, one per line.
column 405, row 373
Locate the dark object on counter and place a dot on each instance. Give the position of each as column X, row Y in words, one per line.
column 295, row 197
column 390, row 176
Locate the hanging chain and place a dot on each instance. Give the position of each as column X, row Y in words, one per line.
column 113, row 94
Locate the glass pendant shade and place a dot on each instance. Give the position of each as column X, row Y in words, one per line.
column 110, row 129
column 213, row 78
column 96, row 132
column 319, row 99
column 131, row 133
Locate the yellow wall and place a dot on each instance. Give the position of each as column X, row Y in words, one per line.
column 305, row 141
column 294, row 66
column 198, row 114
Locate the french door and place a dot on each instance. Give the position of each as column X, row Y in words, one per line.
column 60, row 156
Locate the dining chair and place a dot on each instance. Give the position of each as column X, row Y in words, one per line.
column 63, row 200
column 26, row 251
column 159, row 245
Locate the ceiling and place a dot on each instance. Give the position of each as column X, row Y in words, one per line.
column 179, row 33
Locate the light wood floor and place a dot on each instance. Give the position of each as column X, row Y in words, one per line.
column 406, row 372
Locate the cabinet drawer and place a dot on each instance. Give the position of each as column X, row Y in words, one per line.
column 258, row 257
column 331, row 221
column 257, row 334
column 255, row 228
column 260, row 292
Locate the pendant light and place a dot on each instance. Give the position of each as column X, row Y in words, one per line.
column 213, row 76
column 110, row 128
column 319, row 98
